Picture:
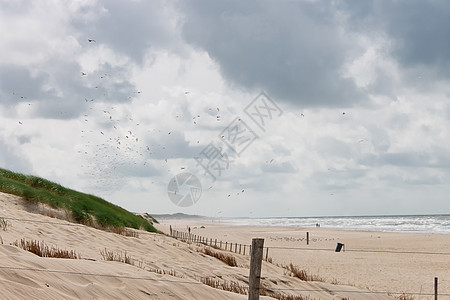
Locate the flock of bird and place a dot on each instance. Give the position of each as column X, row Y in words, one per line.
column 122, row 147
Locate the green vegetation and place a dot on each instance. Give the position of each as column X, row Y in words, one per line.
column 84, row 208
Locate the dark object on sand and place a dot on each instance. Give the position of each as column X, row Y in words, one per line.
column 339, row 247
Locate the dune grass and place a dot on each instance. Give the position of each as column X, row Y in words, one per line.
column 228, row 259
column 4, row 224
column 229, row 286
column 84, row 208
column 302, row 274
column 42, row 250
column 112, row 256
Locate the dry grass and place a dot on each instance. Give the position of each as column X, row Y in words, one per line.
column 290, row 297
column 111, row 256
column 42, row 250
column 280, row 296
column 164, row 272
column 229, row 286
column 335, row 281
column 405, row 297
column 4, row 224
column 235, row 287
column 226, row 258
column 123, row 231
column 302, row 274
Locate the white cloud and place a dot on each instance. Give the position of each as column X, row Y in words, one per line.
column 160, row 85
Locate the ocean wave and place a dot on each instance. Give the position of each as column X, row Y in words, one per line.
column 419, row 224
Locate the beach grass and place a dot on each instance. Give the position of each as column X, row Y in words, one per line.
column 4, row 224
column 84, row 208
column 113, row 256
column 229, row 286
column 42, row 250
column 228, row 259
column 302, row 274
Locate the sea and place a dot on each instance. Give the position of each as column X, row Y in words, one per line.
column 413, row 223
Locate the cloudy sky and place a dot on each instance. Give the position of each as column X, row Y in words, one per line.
column 115, row 98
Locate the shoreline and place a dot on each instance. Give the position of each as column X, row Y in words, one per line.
column 363, row 228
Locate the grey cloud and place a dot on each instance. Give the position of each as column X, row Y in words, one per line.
column 18, row 85
column 332, row 147
column 422, row 180
column 130, row 27
column 282, row 167
column 24, row 139
column 295, row 50
column 418, row 29
column 405, row 159
column 59, row 91
column 434, row 158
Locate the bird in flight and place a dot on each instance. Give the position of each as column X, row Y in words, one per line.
column 20, row 123
column 83, row 74
column 90, row 41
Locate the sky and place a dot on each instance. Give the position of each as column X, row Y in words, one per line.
column 232, row 108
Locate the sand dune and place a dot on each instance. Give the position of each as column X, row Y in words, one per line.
column 25, row 275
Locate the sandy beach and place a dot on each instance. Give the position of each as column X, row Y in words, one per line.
column 376, row 261
column 162, row 267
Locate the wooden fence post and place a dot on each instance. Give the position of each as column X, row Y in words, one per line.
column 435, row 288
column 267, row 253
column 307, row 238
column 255, row 269
column 244, row 249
